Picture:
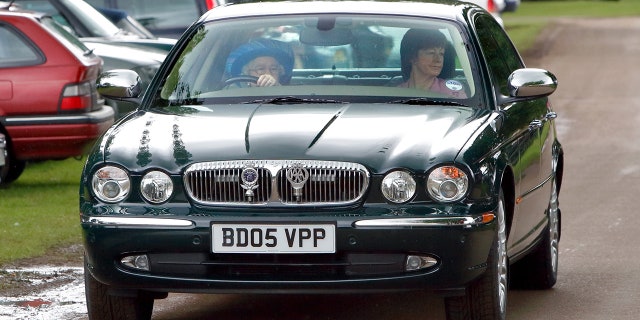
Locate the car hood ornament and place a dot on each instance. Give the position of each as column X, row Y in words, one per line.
column 297, row 175
column 249, row 177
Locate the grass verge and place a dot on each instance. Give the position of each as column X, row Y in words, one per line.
column 527, row 22
column 40, row 210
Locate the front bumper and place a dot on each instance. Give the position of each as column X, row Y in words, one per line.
column 370, row 255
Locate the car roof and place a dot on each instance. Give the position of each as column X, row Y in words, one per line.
column 451, row 10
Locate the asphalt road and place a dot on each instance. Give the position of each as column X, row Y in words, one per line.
column 597, row 64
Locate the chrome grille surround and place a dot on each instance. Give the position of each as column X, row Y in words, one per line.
column 327, row 182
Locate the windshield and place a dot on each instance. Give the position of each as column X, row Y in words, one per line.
column 333, row 58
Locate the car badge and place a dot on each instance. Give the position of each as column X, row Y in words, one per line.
column 297, row 175
column 249, row 177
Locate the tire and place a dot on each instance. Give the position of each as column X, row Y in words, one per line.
column 539, row 269
column 12, row 169
column 102, row 306
column 486, row 297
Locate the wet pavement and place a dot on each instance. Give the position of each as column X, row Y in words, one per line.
column 56, row 293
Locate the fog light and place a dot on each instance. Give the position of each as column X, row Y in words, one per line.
column 140, row 262
column 419, row 262
column 156, row 187
column 398, row 187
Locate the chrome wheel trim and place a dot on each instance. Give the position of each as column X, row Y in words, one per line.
column 501, row 256
column 554, row 227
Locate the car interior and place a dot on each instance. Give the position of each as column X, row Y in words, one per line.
column 335, row 56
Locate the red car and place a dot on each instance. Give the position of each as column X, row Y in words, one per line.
column 49, row 106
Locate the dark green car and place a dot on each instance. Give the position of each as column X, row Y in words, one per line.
column 315, row 147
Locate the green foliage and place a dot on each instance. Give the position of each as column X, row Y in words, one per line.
column 40, row 210
column 588, row 8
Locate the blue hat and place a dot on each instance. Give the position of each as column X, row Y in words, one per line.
column 242, row 55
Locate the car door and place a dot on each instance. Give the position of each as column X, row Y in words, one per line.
column 525, row 122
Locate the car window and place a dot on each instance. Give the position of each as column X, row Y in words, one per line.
column 348, row 58
column 16, row 50
column 502, row 57
column 71, row 41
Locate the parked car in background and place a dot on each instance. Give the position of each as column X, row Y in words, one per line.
column 126, row 22
column 166, row 18
column 118, row 49
column 49, row 106
column 87, row 23
column 511, row 5
column 346, row 177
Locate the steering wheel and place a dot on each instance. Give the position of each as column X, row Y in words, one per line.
column 232, row 80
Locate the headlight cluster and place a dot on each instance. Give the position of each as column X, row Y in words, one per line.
column 447, row 183
column 112, row 184
column 444, row 184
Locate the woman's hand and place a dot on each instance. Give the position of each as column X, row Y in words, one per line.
column 267, row 80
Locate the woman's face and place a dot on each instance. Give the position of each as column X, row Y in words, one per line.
column 265, row 65
column 429, row 61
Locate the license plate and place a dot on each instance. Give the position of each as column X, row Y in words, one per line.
column 273, row 238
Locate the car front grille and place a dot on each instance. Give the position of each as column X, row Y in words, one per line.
column 284, row 182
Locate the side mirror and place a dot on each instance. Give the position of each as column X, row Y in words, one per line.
column 531, row 82
column 119, row 84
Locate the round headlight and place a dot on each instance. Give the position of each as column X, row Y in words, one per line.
column 447, row 184
column 111, row 184
column 156, row 187
column 398, row 186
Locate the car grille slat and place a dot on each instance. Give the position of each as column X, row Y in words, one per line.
column 283, row 182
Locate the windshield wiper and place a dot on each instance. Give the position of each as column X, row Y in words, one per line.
column 293, row 100
column 427, row 102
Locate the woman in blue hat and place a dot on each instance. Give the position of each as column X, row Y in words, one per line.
column 270, row 61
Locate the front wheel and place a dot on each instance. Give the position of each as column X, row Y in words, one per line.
column 486, row 297
column 12, row 168
column 102, row 306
